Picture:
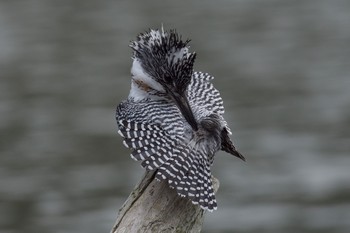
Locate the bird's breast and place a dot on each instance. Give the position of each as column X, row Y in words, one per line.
column 207, row 137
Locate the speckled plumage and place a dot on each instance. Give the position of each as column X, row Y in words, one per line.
column 173, row 118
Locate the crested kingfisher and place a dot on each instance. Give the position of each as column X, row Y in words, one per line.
column 173, row 119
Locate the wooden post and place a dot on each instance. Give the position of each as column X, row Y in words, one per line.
column 154, row 207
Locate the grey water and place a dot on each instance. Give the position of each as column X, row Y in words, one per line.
column 282, row 68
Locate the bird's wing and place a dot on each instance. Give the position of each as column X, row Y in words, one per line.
column 151, row 129
column 154, row 130
column 203, row 95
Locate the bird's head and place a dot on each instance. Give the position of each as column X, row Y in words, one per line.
column 163, row 66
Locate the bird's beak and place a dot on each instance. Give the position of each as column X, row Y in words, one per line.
column 185, row 108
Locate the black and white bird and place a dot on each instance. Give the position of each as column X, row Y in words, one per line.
column 173, row 117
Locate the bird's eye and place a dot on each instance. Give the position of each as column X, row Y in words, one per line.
column 142, row 85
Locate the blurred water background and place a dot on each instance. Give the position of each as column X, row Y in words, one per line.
column 282, row 68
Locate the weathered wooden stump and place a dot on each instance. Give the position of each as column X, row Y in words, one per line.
column 154, row 207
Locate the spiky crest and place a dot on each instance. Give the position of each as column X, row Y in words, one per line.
column 165, row 57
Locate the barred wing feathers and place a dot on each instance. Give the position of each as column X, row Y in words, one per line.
column 203, row 95
column 154, row 131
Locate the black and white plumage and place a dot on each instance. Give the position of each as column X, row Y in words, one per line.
column 173, row 117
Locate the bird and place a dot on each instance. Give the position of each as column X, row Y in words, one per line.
column 173, row 118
